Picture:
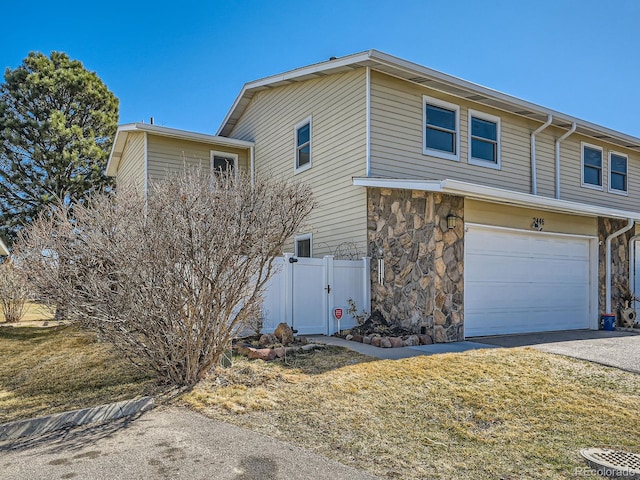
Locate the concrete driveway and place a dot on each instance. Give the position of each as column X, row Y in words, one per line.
column 165, row 443
column 615, row 349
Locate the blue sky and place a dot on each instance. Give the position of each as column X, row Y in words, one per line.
column 185, row 62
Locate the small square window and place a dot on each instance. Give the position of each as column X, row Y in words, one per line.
column 484, row 139
column 303, row 246
column 591, row 166
column 222, row 162
column 303, row 145
column 617, row 173
column 441, row 129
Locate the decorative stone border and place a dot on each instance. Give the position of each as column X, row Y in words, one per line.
column 391, row 342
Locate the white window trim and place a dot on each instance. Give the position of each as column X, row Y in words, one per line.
column 602, row 176
column 304, row 236
column 219, row 153
column 497, row 165
column 614, row 190
column 297, row 126
column 449, row 106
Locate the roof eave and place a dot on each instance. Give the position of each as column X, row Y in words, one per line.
column 421, row 75
column 495, row 195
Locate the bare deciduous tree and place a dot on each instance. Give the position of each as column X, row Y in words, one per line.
column 167, row 280
column 13, row 292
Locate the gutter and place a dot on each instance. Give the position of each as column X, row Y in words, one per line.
column 558, row 141
column 624, row 229
column 534, row 181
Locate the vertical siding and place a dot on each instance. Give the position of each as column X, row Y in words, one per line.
column 337, row 104
column 131, row 169
column 397, row 146
column 170, row 155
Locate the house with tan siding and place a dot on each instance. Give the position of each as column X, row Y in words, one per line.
column 482, row 213
column 144, row 152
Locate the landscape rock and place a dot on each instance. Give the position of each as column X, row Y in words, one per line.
column 267, row 339
column 348, row 337
column 261, row 354
column 366, row 339
column 395, row 342
column 284, row 333
column 243, row 349
column 357, row 338
column 385, row 342
column 411, row 341
column 425, row 339
column 375, row 341
column 280, row 352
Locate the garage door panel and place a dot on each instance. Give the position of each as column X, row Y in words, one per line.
column 524, row 270
column 508, row 295
column 518, row 282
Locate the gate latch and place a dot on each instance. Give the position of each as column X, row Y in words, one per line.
column 328, row 289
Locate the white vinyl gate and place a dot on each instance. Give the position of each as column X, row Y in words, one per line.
column 305, row 293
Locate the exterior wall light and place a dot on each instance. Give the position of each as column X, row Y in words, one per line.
column 451, row 221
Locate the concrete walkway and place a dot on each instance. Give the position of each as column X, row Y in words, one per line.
column 165, row 443
column 401, row 352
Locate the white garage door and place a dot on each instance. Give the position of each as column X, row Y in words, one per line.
column 519, row 281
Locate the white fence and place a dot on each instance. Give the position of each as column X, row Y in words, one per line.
column 304, row 293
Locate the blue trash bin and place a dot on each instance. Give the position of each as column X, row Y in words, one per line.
column 608, row 322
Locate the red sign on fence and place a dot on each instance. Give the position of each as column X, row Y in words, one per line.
column 337, row 312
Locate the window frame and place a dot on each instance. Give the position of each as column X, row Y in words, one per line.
column 302, row 237
column 220, row 153
column 602, row 169
column 436, row 102
column 497, row 165
column 299, row 169
column 626, row 158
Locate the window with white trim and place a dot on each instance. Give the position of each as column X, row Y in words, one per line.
column 304, row 245
column 222, row 162
column 484, row 139
column 618, row 172
column 591, row 166
column 302, row 133
column 441, row 128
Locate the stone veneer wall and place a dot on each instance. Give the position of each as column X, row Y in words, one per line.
column 619, row 263
column 423, row 260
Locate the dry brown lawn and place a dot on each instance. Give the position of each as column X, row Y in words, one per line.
column 54, row 369
column 486, row 414
column 33, row 312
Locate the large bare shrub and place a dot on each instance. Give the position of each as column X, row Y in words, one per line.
column 168, row 280
column 13, row 292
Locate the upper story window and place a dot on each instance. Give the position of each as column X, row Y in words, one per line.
column 303, row 145
column 484, row 139
column 617, row 172
column 223, row 162
column 591, row 166
column 441, row 128
column 303, row 245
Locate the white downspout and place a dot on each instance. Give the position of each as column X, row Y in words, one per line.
column 534, row 182
column 558, row 141
column 252, row 166
column 632, row 266
column 628, row 227
column 368, row 122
